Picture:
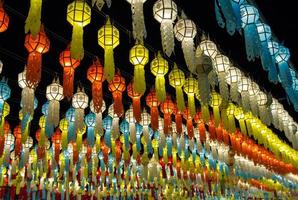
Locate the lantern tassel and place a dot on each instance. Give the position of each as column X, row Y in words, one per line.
column 90, row 136
column 216, row 115
column 33, row 72
column 71, row 132
column 160, row 88
column 115, row 128
column 178, row 121
column 251, row 41
column 234, row 92
column 232, row 126
column 132, row 130
column 190, row 130
column 68, row 77
column 138, row 24
column 219, row 17
column 204, row 88
column 253, row 105
column 139, row 82
column 223, row 86
column 167, row 123
column 109, row 65
column 53, row 113
column 245, row 101
column 228, row 13
column 264, row 115
column 154, row 118
column 146, row 134
column 28, row 100
column 137, row 109
column 98, row 123
column 167, row 37
column 79, row 142
column 267, row 63
column 76, row 46
column 180, row 99
column 191, row 104
column 79, row 119
column 32, row 22
column 284, row 74
column 97, row 95
column 205, row 112
column 225, row 119
column 242, row 126
column 118, row 106
column 49, row 129
column 188, row 48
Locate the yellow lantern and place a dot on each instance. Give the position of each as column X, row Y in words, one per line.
column 230, row 114
column 177, row 80
column 5, row 112
column 108, row 39
column 32, row 22
column 190, row 87
column 139, row 57
column 216, row 101
column 63, row 125
column 159, row 67
column 78, row 15
column 222, row 65
column 239, row 115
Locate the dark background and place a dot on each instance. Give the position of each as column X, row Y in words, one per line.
column 280, row 15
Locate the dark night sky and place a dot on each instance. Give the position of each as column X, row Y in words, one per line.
column 280, row 16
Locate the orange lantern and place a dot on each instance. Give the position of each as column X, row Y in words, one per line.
column 36, row 46
column 136, row 101
column 56, row 139
column 152, row 102
column 188, row 117
column 178, row 119
column 4, row 18
column 117, row 86
column 69, row 65
column 167, row 107
column 96, row 76
column 18, row 140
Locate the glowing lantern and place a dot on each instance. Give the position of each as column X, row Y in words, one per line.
column 132, row 124
column 115, row 121
column 5, row 111
column 27, row 98
column 189, row 125
column 249, row 18
column 36, row 46
column 78, row 15
column 4, row 94
column 4, row 18
column 178, row 119
column 254, row 91
column 243, row 88
column 153, row 103
column 139, row 57
column 56, row 140
column 239, row 115
column 138, row 24
column 281, row 58
column 146, row 119
column 9, row 145
column 222, row 65
column 79, row 102
column 32, row 22
column 185, row 30
column 96, row 77
column 190, row 87
column 159, row 67
column 136, row 101
column 28, row 144
column 117, row 86
column 215, row 104
column 63, row 125
column 230, row 114
column 18, row 142
column 54, row 94
column 108, row 39
column 208, row 47
column 167, row 107
column 263, row 108
column 233, row 78
column 177, row 80
column 165, row 12
column 69, row 65
column 90, row 120
column 98, row 117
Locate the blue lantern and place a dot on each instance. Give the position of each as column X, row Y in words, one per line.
column 70, row 116
column 124, row 128
column 90, row 122
column 49, row 127
column 225, row 15
column 4, row 94
column 107, row 125
column 281, row 58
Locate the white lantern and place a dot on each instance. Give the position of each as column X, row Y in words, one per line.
column 79, row 102
column 132, row 124
column 27, row 145
column 54, row 94
column 115, row 122
column 98, row 117
column 27, row 98
column 165, row 12
column 264, row 113
column 209, row 48
column 233, row 78
column 146, row 119
column 222, row 65
column 253, row 94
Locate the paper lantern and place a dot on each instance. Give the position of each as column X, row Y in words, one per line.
column 56, row 142
column 190, row 87
column 63, row 125
column 115, row 121
column 138, row 23
column 185, row 30
column 136, row 101
column 79, row 102
column 36, row 46
column 4, row 94
column 32, row 22
column 78, row 15
column 230, row 114
column 208, row 47
column 159, row 67
column 139, row 57
column 69, row 65
column 132, row 124
column 249, row 18
column 108, row 39
column 18, row 139
column 243, row 88
column 4, row 18
column 187, row 116
column 216, row 101
column 165, row 12
column 254, row 91
column 98, row 117
column 239, row 115
column 90, row 121
column 26, row 147
column 222, row 65
column 204, row 108
column 27, row 97
column 281, row 58
column 153, row 103
column 54, row 94
column 5, row 111
column 146, row 120
column 100, row 3
column 178, row 119
column 96, row 77
column 263, row 108
column 167, row 108
column 117, row 86
column 233, row 78
column 177, row 80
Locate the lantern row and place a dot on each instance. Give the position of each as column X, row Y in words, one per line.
column 242, row 17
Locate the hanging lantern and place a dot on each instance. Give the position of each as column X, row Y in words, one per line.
column 99, row 3
column 78, row 15
column 4, row 112
column 159, row 67
column 32, row 22
column 136, row 101
column 9, row 145
column 208, row 47
column 139, row 57
column 63, row 126
column 108, row 39
column 185, row 31
column 70, row 116
column 233, row 78
column 231, row 119
column 189, row 125
column 98, row 117
column 249, row 18
column 281, row 58
column 90, row 120
column 69, row 65
column 146, row 120
column 4, row 18
column 239, row 115
column 79, row 102
column 165, row 12
column 117, row 86
column 36, row 46
column 153, row 103
column 28, row 144
column 167, row 108
column 243, row 88
column 138, row 23
column 115, row 121
column 263, row 109
column 215, row 104
column 54, row 94
column 178, row 119
column 253, row 96
column 56, row 142
column 27, row 98
column 4, row 95
column 190, row 87
column 222, row 65
column 177, row 80
column 18, row 140
column 96, row 77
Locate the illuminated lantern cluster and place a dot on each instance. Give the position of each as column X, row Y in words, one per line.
column 4, row 18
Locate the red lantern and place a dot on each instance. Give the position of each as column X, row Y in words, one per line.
column 136, row 101
column 69, row 65
column 56, row 139
column 36, row 46
column 117, row 86
column 167, row 107
column 178, row 119
column 152, row 102
column 96, row 77
column 4, row 18
column 189, row 124
column 18, row 140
